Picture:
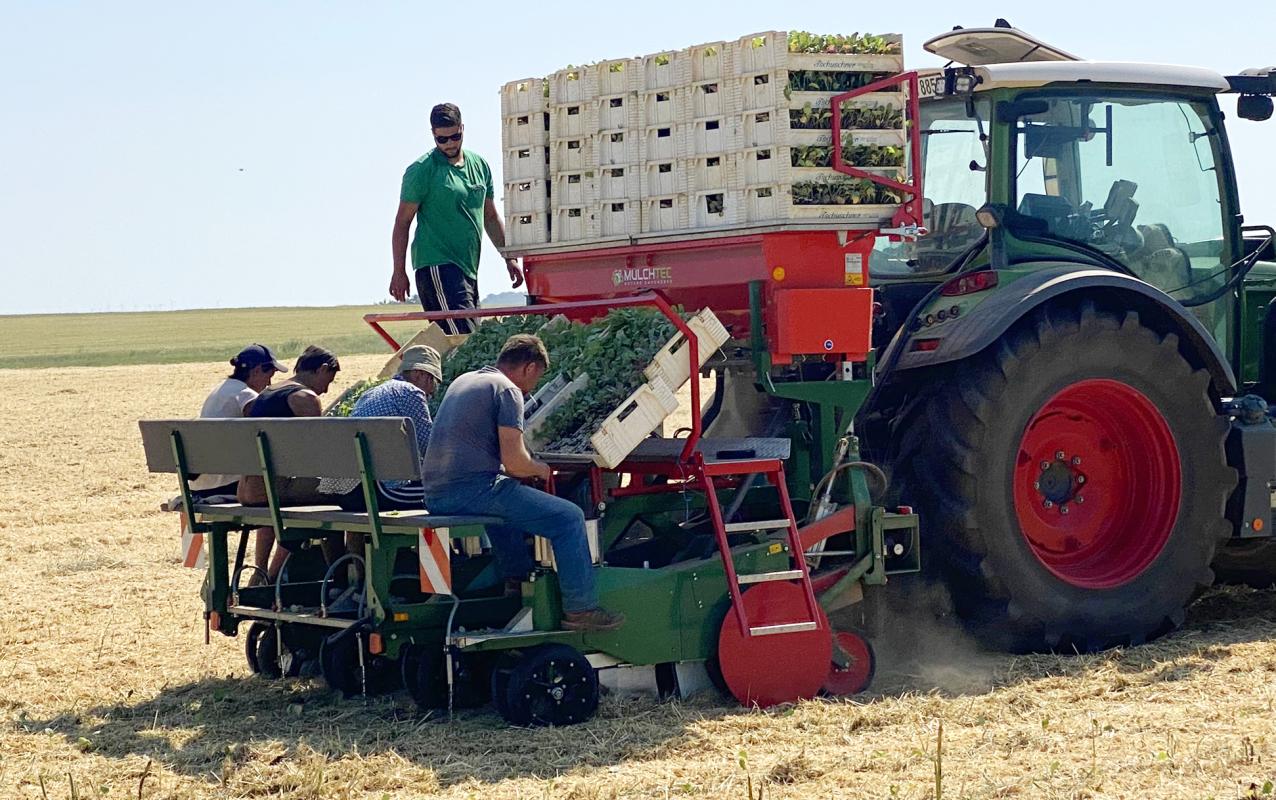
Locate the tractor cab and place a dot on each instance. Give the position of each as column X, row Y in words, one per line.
column 1123, row 167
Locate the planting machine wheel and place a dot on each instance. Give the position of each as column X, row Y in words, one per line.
column 552, row 684
column 252, row 640
column 339, row 663
column 270, row 660
column 1071, row 482
column 853, row 665
column 424, row 673
column 778, row 668
column 1251, row 563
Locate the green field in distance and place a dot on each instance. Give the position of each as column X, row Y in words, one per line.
column 174, row 337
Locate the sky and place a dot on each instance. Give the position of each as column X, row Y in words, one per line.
column 177, row 155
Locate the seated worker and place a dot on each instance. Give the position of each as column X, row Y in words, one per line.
column 406, row 395
column 480, row 429
column 296, row 397
column 254, row 367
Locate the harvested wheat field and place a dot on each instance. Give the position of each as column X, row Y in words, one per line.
column 109, row 691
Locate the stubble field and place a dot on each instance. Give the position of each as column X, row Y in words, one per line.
column 107, row 690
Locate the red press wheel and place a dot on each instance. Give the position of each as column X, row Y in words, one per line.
column 776, row 668
column 860, row 664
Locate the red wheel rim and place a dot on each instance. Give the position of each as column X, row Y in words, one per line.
column 1097, row 484
column 780, row 668
column 858, row 672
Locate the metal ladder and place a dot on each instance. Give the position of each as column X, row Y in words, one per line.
column 772, row 470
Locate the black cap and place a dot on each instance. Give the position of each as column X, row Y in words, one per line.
column 254, row 355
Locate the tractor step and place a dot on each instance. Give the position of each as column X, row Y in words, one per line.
column 791, row 627
column 759, row 525
column 763, row 577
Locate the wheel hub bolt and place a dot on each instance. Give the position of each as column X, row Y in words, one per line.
column 1080, row 479
column 556, row 692
column 1060, row 455
column 1047, row 504
column 1079, row 499
column 1036, row 485
column 1063, row 509
column 1045, row 465
column 1076, row 461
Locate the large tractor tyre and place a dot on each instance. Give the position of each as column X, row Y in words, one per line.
column 1247, row 563
column 1071, row 482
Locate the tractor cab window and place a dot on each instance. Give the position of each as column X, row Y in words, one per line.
column 1132, row 177
column 954, row 168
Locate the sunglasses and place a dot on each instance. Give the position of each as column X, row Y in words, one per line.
column 456, row 137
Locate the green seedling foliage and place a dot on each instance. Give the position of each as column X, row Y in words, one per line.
column 837, row 191
column 344, row 404
column 858, row 155
column 810, row 80
column 854, row 44
column 870, row 117
column 481, row 348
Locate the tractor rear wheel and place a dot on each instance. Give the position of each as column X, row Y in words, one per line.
column 1071, row 482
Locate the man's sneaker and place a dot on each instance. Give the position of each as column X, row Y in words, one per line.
column 593, row 619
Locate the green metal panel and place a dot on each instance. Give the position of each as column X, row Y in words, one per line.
column 1259, row 290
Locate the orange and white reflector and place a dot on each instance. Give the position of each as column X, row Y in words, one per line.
column 192, row 554
column 434, row 553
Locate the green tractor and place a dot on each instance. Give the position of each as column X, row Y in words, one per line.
column 1076, row 353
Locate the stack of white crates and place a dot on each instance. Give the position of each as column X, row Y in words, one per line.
column 711, row 136
column 525, row 137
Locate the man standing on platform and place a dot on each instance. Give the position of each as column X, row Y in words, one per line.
column 449, row 192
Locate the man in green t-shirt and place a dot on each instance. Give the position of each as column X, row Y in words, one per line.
column 449, row 192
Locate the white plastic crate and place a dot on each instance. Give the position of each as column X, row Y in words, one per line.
column 525, row 229
column 619, row 183
column 712, row 136
column 661, row 214
column 572, row 154
column 662, row 143
column 618, row 76
column 765, row 203
column 560, row 391
column 571, row 120
column 526, row 163
column 663, row 178
column 569, row 86
column 524, row 197
column 574, row 224
column 772, row 128
column 715, row 208
column 578, row 188
column 770, row 50
column 663, row 107
column 618, row 112
column 525, row 96
column 719, row 97
column 522, row 130
column 667, row 70
column 619, row 147
column 711, row 61
column 672, row 364
column 631, row 422
column 618, row 218
column 706, row 173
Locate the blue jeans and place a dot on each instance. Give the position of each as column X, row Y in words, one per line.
column 528, row 511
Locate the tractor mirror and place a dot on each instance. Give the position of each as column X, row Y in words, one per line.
column 1256, row 107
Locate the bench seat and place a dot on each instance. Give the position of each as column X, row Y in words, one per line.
column 333, row 518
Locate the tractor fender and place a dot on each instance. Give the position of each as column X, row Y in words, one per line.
column 986, row 322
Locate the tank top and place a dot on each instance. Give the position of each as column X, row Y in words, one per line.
column 273, row 401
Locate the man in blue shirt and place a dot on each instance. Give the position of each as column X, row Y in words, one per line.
column 406, row 395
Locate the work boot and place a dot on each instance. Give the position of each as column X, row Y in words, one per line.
column 592, row 619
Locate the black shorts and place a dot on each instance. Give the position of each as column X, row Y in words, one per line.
column 227, row 490
column 445, row 287
column 403, row 498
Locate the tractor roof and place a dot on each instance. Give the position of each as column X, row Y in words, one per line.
column 1041, row 73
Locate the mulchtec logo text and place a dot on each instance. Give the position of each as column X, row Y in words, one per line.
column 645, row 276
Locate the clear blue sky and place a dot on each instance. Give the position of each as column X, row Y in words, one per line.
column 168, row 155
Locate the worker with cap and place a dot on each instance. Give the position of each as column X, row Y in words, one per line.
column 405, row 395
column 253, row 368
